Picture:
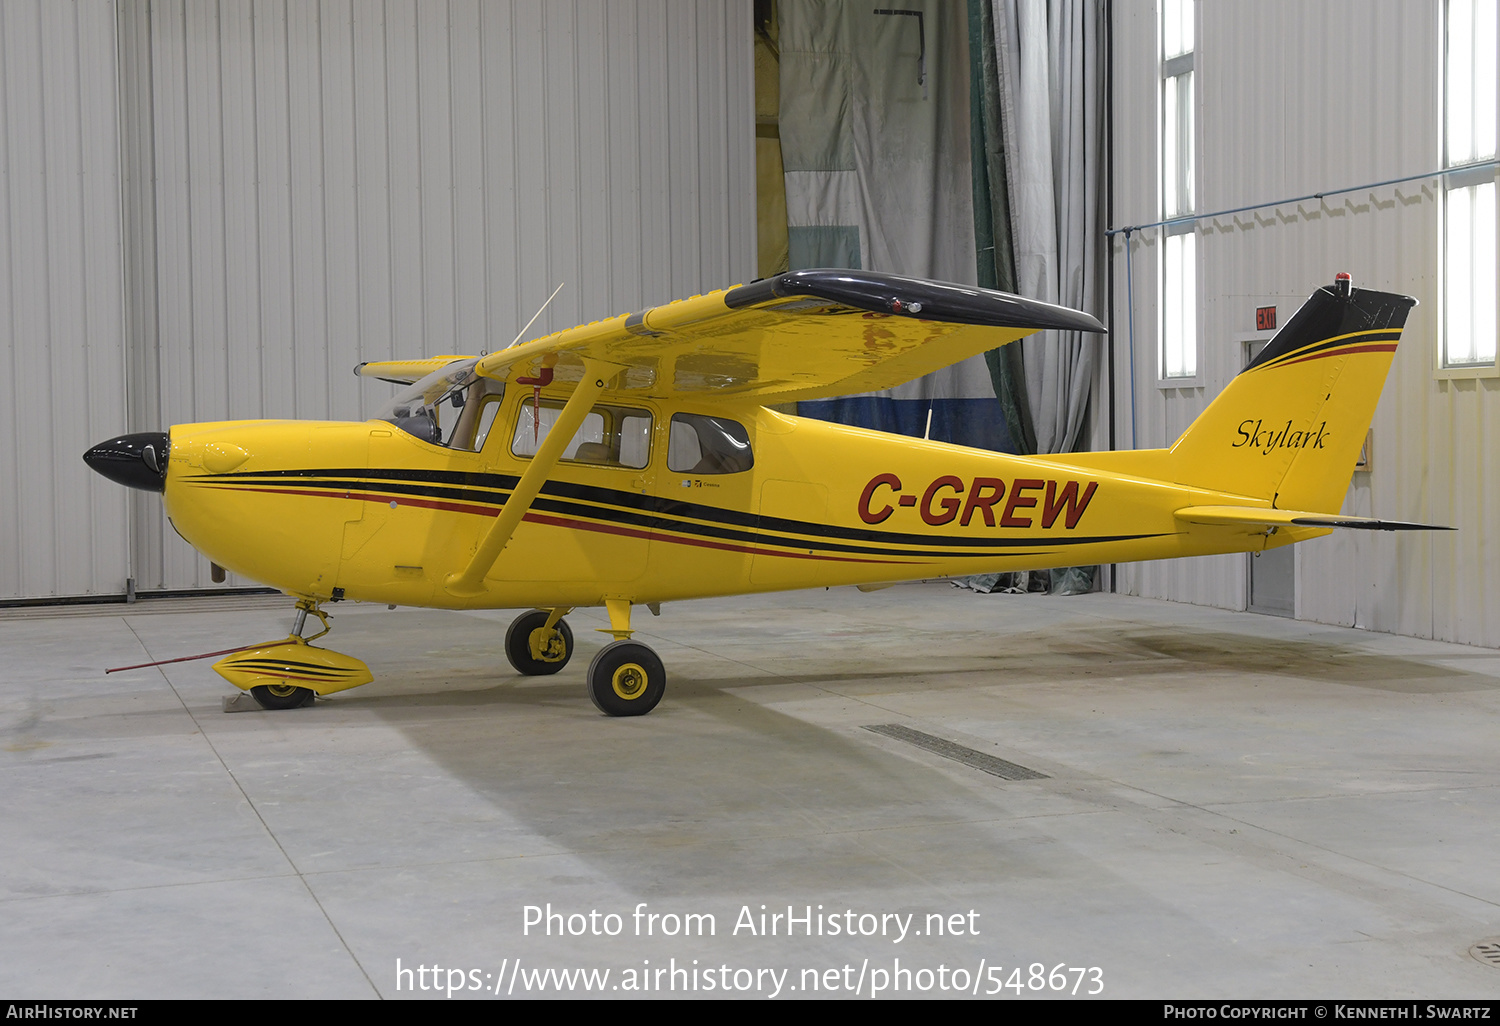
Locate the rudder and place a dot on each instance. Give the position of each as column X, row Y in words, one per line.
column 1289, row 427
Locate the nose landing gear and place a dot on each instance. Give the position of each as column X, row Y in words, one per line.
column 288, row 674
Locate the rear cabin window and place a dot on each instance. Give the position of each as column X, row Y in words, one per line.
column 610, row 436
column 708, row 445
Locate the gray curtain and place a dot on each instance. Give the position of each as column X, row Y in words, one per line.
column 1036, row 124
column 874, row 123
column 1049, row 56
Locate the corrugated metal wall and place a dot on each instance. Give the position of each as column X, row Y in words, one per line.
column 61, row 321
column 1296, row 99
column 308, row 185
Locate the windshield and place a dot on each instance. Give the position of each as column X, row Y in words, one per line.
column 433, row 408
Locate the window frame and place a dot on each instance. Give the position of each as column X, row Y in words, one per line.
column 1474, row 168
column 1177, row 195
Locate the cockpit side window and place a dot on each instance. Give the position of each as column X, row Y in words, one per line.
column 611, row 436
column 451, row 406
column 708, row 445
column 481, row 402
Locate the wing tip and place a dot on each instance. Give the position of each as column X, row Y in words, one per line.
column 920, row 298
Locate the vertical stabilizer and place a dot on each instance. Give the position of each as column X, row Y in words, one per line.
column 1290, row 426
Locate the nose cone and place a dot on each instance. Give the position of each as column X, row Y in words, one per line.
column 135, row 461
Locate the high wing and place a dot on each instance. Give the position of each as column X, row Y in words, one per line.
column 801, row 335
column 403, row 372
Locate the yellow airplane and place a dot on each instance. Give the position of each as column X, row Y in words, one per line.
column 634, row 461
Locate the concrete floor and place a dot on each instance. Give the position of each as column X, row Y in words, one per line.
column 1235, row 805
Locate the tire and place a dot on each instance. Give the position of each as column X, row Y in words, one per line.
column 626, row 679
column 281, row 696
column 518, row 645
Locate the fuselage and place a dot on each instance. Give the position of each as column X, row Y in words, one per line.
column 370, row 511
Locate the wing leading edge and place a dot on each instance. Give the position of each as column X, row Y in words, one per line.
column 802, row 335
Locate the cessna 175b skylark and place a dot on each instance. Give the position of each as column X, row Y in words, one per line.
column 633, row 461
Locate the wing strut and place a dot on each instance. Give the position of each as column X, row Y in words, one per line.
column 596, row 375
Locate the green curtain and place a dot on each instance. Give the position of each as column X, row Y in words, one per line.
column 993, row 250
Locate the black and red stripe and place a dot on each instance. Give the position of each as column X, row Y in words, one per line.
column 631, row 514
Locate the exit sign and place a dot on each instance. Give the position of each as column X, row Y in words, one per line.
column 1265, row 318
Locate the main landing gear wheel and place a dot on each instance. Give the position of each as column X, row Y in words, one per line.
column 626, row 679
column 530, row 651
column 281, row 696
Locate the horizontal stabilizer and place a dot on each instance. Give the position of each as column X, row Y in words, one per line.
column 1260, row 516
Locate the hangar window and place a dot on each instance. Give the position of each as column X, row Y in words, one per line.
column 1469, row 214
column 611, row 436
column 1179, row 250
column 708, row 445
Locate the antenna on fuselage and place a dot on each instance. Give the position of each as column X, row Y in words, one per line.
column 534, row 316
column 544, row 378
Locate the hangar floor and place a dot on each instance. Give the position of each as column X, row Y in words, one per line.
column 1231, row 805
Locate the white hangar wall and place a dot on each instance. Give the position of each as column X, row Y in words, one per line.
column 307, row 185
column 1297, row 99
column 61, row 299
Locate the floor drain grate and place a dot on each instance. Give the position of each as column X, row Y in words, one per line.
column 957, row 752
column 1487, row 951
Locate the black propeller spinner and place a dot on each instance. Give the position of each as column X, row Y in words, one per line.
column 136, row 461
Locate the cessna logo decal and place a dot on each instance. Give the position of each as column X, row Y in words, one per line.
column 949, row 498
column 1254, row 436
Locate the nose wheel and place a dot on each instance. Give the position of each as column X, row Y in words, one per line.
column 291, row 673
column 281, row 696
column 626, row 679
